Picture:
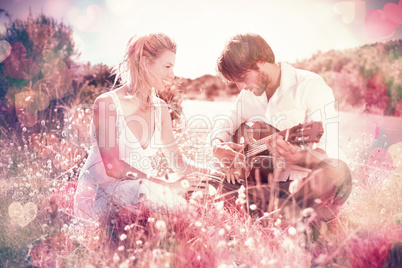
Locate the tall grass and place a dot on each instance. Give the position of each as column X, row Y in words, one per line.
column 206, row 233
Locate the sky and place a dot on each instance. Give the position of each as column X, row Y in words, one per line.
column 295, row 29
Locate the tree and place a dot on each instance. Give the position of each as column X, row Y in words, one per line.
column 39, row 70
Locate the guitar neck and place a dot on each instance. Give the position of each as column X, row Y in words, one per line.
column 261, row 145
column 300, row 134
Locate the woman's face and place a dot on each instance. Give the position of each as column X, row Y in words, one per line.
column 162, row 67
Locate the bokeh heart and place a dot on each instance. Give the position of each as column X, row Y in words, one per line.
column 346, row 10
column 394, row 12
column 350, row 11
column 92, row 21
column 378, row 25
column 22, row 215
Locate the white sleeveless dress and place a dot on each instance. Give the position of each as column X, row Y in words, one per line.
column 97, row 194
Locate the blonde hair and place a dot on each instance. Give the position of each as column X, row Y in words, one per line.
column 134, row 70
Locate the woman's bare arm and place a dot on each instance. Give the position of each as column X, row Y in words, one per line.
column 171, row 149
column 105, row 118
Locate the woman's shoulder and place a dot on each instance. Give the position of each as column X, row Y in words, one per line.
column 104, row 100
column 104, row 97
column 107, row 97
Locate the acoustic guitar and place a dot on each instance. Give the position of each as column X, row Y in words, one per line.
column 255, row 136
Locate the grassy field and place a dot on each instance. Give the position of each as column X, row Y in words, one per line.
column 37, row 228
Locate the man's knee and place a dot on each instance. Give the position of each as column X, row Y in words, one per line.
column 336, row 173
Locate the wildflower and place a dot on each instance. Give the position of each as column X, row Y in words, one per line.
column 242, row 196
column 273, row 262
column 212, row 190
column 240, row 201
column 116, row 258
column 300, row 227
column 121, row 248
column 221, row 244
column 221, row 232
column 253, row 207
column 276, row 232
column 241, row 189
column 219, row 205
column 197, row 195
column 160, row 225
column 278, row 222
column 292, row 231
column 309, row 214
column 250, row 243
column 123, row 237
column 124, row 264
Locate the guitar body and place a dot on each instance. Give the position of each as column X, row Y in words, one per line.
column 251, row 132
column 255, row 136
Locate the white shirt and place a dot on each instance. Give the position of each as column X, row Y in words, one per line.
column 302, row 97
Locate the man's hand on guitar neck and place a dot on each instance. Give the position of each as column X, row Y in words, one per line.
column 291, row 155
column 280, row 148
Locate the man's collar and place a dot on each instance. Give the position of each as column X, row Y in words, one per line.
column 288, row 80
column 288, row 76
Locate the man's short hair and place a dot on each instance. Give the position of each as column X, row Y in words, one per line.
column 242, row 52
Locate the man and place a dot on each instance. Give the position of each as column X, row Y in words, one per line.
column 283, row 97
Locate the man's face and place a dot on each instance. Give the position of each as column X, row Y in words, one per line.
column 255, row 81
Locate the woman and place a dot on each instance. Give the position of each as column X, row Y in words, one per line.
column 130, row 124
